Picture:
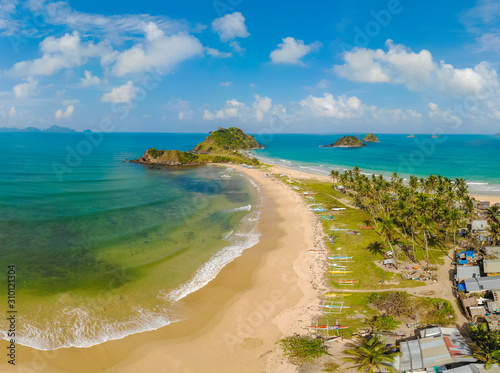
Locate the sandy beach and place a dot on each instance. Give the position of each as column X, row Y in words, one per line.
column 233, row 323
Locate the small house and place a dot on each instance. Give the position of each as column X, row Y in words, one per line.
column 479, row 225
column 491, row 306
column 478, row 311
column 466, row 272
column 482, row 283
column 491, row 267
column 493, row 322
column 496, row 296
column 469, row 302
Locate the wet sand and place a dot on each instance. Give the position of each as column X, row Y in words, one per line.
column 233, row 323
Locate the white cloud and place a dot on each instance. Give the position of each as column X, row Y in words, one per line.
column 262, row 106
column 65, row 114
column 181, row 108
column 346, row 108
column 12, row 112
column 323, row 84
column 159, row 51
column 71, row 102
column 417, row 71
column 123, row 94
column 236, row 47
column 291, row 51
column 329, row 107
column 226, row 84
column 89, row 80
column 217, row 53
column 113, row 27
column 232, row 109
column 443, row 116
column 26, row 89
column 65, row 52
column 230, row 26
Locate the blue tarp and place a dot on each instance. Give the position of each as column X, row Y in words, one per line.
column 462, row 261
column 461, row 287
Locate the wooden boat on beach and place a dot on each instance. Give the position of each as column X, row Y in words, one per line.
column 346, row 281
column 337, row 295
column 339, row 272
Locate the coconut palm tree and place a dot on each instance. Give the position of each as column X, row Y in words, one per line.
column 487, row 352
column 387, row 230
column 376, row 248
column 492, row 214
column 370, row 355
column 427, row 226
column 454, row 220
column 494, row 230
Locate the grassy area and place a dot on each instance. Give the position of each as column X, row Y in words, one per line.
column 363, row 265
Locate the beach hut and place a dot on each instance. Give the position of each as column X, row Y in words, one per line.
column 469, row 302
column 491, row 267
column 478, row 311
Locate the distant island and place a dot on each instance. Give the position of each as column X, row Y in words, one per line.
column 370, row 138
column 52, row 129
column 346, row 142
column 411, row 136
column 221, row 146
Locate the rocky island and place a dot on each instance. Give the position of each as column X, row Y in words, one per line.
column 346, row 142
column 370, row 138
column 221, row 146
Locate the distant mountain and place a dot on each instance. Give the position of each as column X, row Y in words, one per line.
column 497, row 134
column 53, row 129
column 57, row 129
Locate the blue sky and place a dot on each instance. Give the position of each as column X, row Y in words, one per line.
column 265, row 66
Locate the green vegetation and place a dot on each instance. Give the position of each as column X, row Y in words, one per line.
column 155, row 153
column 347, row 141
column 370, row 138
column 486, row 346
column 395, row 303
column 425, row 212
column 370, row 355
column 384, row 323
column 222, row 146
column 331, row 367
column 229, row 139
column 302, row 349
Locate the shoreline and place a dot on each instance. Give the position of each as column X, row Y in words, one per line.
column 232, row 323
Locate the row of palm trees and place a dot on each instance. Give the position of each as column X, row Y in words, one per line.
column 424, row 211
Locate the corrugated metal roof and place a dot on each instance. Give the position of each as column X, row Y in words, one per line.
column 464, row 272
column 491, row 266
column 482, row 283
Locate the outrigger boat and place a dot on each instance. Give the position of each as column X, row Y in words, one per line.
column 340, row 272
column 367, row 227
column 318, row 209
column 332, row 306
column 340, row 257
column 316, row 251
column 337, row 265
column 346, row 281
column 309, row 193
column 339, row 229
column 336, row 295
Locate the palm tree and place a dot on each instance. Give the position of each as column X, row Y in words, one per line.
column 387, row 230
column 376, row 248
column 487, row 352
column 493, row 230
column 370, row 355
column 454, row 219
column 492, row 214
column 427, row 226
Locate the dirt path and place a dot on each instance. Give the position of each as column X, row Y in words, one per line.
column 443, row 288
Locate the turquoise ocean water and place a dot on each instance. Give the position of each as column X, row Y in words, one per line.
column 475, row 158
column 104, row 248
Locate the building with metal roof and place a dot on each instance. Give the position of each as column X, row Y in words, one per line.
column 436, row 347
column 466, row 272
column 491, row 267
column 482, row 283
column 473, row 368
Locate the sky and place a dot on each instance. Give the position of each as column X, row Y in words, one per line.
column 396, row 66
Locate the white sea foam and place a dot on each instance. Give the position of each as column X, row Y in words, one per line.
column 242, row 208
column 208, row 271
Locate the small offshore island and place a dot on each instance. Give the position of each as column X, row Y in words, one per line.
column 352, row 142
column 221, row 146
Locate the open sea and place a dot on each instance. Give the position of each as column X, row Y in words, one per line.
column 476, row 158
column 104, row 248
